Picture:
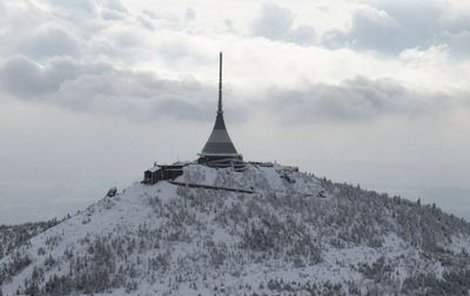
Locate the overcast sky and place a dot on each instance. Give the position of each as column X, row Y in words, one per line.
column 92, row 92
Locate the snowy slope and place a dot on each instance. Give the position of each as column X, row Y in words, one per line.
column 295, row 234
column 12, row 236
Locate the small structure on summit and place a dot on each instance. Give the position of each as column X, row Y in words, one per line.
column 162, row 172
column 218, row 152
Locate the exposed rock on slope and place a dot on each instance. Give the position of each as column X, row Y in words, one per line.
column 295, row 234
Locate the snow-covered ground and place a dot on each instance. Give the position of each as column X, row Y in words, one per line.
column 295, row 234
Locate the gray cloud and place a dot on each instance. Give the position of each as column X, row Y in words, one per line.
column 371, row 31
column 392, row 26
column 274, row 22
column 102, row 88
column 52, row 63
column 145, row 21
column 459, row 42
column 277, row 23
column 28, row 80
column 190, row 14
column 355, row 100
column 113, row 10
column 2, row 9
column 47, row 42
column 88, row 6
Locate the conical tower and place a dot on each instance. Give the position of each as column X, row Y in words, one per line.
column 219, row 150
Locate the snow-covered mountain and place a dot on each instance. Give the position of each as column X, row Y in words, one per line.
column 296, row 234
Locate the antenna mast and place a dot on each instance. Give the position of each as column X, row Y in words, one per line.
column 219, row 110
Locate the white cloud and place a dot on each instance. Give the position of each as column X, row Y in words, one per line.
column 433, row 56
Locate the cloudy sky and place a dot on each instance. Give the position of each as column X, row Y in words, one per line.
column 92, row 92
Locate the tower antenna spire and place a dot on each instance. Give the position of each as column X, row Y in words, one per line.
column 219, row 110
column 219, row 150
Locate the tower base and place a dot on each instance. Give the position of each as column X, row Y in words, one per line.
column 223, row 162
